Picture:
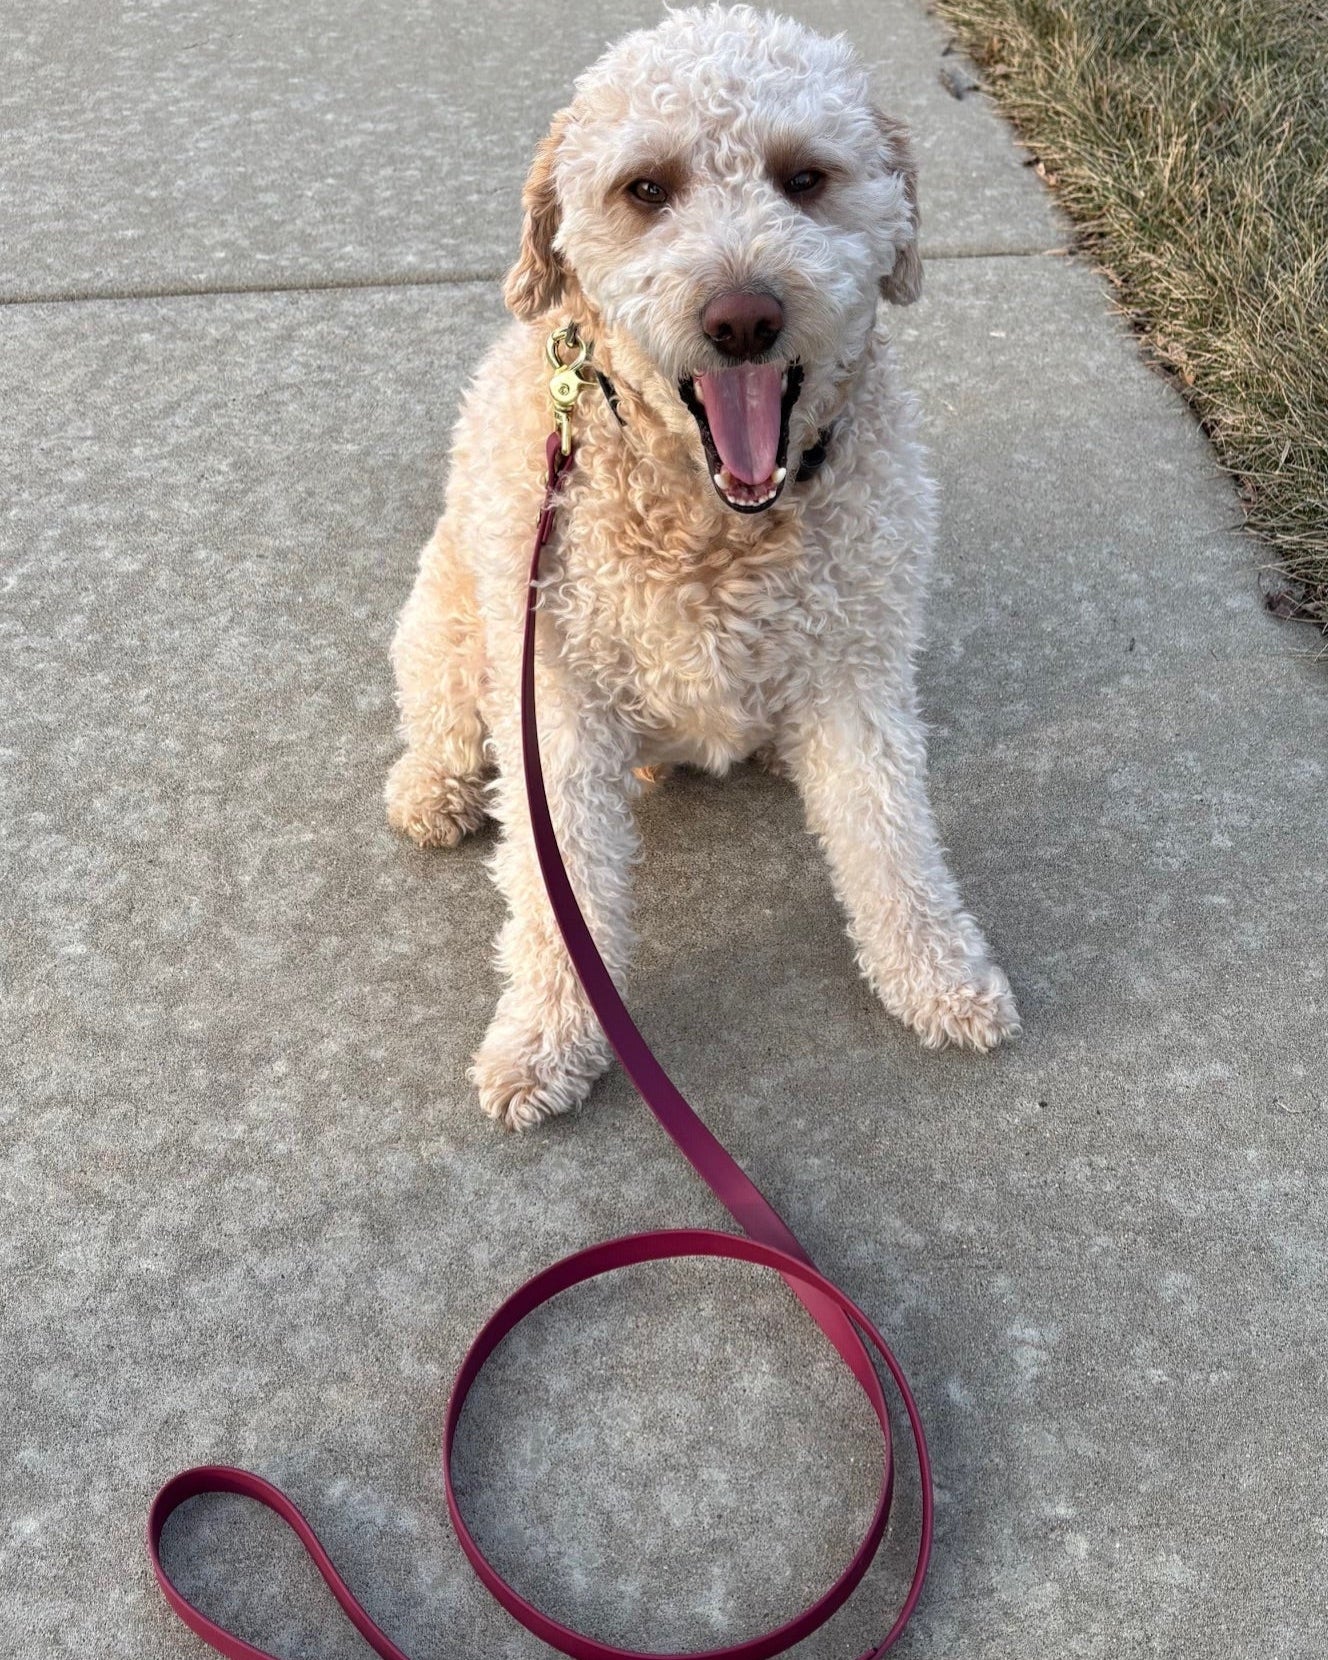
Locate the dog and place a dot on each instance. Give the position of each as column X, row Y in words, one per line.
column 740, row 551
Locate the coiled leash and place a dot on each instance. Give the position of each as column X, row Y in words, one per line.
column 768, row 1243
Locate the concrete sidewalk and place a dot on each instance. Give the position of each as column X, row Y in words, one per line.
column 252, row 1214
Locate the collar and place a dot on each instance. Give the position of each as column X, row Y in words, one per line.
column 812, row 460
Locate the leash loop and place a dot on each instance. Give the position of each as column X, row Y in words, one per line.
column 768, row 1243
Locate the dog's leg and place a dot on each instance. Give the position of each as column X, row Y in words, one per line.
column 436, row 791
column 545, row 1048
column 861, row 768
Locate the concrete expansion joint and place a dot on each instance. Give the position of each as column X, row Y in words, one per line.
column 439, row 279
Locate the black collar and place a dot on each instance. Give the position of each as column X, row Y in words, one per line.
column 812, row 460
column 610, row 392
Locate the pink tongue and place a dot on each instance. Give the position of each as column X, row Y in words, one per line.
column 742, row 406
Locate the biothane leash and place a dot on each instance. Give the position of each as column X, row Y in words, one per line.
column 768, row 1243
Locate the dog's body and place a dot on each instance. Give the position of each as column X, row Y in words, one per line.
column 684, row 619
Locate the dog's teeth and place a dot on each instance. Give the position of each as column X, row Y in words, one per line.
column 779, row 475
column 783, row 382
column 719, row 478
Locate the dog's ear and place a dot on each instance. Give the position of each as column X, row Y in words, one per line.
column 902, row 284
column 539, row 279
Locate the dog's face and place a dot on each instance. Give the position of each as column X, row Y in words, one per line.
column 726, row 202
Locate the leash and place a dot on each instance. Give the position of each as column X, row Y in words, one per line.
column 769, row 1243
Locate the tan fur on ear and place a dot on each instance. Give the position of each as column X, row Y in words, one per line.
column 903, row 284
column 539, row 279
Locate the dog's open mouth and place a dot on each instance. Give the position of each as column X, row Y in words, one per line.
column 743, row 414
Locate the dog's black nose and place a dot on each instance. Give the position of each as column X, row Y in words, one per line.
column 743, row 324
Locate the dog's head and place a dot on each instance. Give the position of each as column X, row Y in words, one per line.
column 723, row 198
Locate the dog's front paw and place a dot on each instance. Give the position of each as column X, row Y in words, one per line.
column 431, row 806
column 975, row 1010
column 521, row 1079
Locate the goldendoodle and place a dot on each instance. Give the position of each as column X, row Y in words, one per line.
column 740, row 552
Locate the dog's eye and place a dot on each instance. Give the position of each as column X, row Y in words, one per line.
column 806, row 182
column 647, row 191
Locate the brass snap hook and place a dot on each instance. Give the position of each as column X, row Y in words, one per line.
column 565, row 386
column 568, row 337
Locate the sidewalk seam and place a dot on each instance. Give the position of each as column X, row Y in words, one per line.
column 443, row 279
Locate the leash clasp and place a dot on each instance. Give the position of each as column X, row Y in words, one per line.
column 567, row 382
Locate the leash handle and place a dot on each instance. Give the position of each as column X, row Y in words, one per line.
column 223, row 1478
column 769, row 1243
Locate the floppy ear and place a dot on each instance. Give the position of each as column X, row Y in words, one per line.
column 903, row 283
column 539, row 279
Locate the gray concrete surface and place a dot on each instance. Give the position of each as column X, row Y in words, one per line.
column 250, row 1212
column 210, row 145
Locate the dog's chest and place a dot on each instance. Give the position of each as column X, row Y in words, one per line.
column 698, row 638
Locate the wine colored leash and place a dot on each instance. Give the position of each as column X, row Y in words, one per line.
column 768, row 1243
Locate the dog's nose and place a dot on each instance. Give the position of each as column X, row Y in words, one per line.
column 743, row 324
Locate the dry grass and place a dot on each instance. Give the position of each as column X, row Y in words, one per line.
column 1188, row 139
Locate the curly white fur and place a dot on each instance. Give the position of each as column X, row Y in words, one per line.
column 673, row 628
